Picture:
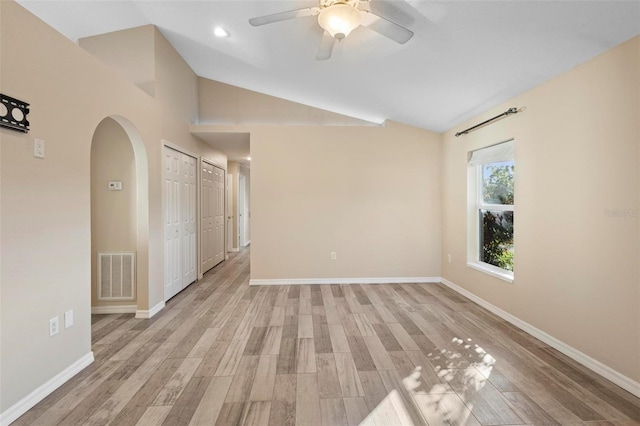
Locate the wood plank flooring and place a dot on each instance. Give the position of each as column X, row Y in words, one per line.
column 223, row 353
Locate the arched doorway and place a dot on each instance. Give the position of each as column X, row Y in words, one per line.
column 119, row 218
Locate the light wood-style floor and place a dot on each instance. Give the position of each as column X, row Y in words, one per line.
column 224, row 353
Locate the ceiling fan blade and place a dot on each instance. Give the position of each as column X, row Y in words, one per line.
column 383, row 26
column 326, row 47
column 283, row 16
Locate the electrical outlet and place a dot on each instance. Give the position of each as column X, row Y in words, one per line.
column 68, row 319
column 333, row 255
column 449, row 258
column 54, row 326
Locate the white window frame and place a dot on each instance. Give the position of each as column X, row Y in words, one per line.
column 475, row 203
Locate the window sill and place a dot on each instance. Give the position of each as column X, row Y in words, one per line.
column 492, row 270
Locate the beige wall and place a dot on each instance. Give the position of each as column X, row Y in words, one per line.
column 176, row 95
column 133, row 58
column 220, row 103
column 577, row 155
column 45, row 204
column 177, row 85
column 371, row 194
column 175, row 91
column 46, row 241
column 323, row 182
column 113, row 213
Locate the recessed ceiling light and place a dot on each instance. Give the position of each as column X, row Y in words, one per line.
column 249, row 158
column 220, row 32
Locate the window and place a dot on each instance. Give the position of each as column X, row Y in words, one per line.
column 491, row 210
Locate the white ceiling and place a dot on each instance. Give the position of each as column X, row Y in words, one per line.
column 465, row 57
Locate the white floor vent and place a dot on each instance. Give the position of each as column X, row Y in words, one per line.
column 116, row 276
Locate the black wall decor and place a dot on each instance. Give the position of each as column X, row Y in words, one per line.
column 13, row 113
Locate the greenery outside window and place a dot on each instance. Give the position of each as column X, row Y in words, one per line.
column 491, row 212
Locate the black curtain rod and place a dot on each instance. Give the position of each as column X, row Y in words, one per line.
column 504, row 114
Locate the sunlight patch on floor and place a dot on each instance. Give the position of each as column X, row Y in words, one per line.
column 462, row 369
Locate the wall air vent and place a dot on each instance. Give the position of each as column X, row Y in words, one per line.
column 116, row 276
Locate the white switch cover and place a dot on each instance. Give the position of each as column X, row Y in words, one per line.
column 115, row 185
column 38, row 148
column 333, row 255
column 68, row 319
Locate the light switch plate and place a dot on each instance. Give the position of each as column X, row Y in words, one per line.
column 38, row 148
column 68, row 319
column 115, row 185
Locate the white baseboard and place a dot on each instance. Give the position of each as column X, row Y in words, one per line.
column 146, row 314
column 596, row 366
column 114, row 309
column 384, row 280
column 233, row 250
column 22, row 406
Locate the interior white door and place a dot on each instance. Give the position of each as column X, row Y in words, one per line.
column 218, row 213
column 207, row 218
column 180, row 204
column 212, row 216
column 246, row 216
column 241, row 202
column 172, row 224
column 229, row 212
column 189, row 218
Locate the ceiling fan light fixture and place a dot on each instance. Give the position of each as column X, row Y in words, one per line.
column 339, row 20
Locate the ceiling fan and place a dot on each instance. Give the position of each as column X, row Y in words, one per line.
column 338, row 18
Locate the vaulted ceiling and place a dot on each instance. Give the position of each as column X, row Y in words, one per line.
column 465, row 56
